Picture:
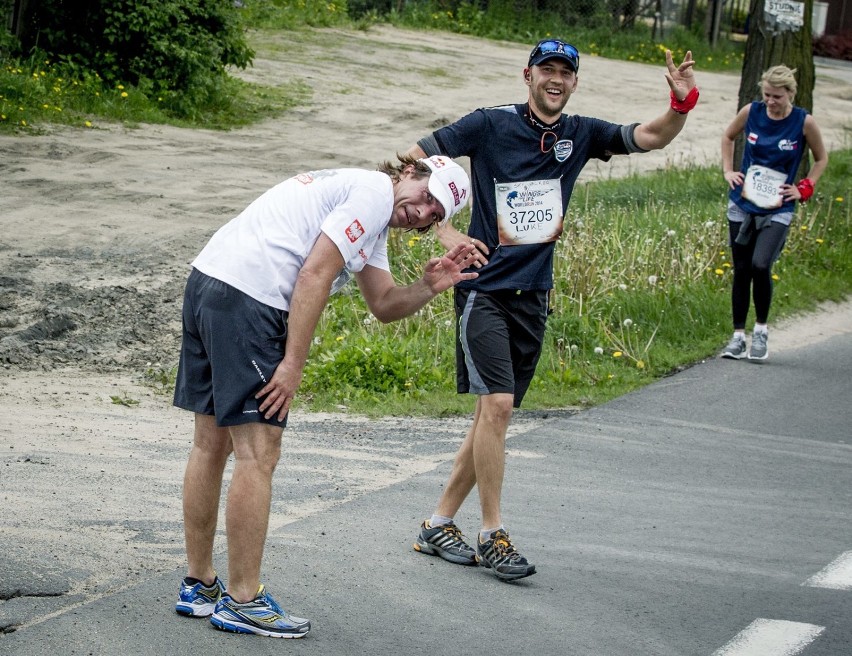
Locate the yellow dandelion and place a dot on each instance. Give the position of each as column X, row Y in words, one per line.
column 610, row 376
column 727, row 265
column 804, row 227
column 820, row 241
column 339, row 338
column 120, row 87
column 88, row 124
column 23, row 122
column 775, row 276
column 640, row 364
column 719, row 272
column 839, row 199
column 124, row 94
column 45, row 106
column 617, row 354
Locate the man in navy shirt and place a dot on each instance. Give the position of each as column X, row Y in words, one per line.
column 524, row 161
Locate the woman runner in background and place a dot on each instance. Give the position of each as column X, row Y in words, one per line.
column 763, row 196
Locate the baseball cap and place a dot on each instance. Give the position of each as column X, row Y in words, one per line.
column 555, row 49
column 449, row 183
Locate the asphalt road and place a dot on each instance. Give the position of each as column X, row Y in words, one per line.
column 706, row 514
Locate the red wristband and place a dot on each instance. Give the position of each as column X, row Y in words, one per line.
column 689, row 102
column 806, row 189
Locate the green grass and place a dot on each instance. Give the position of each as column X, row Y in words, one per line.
column 37, row 93
column 642, row 290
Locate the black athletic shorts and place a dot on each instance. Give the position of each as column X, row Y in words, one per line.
column 231, row 346
column 498, row 340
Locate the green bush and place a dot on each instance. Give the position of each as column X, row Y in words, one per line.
column 179, row 49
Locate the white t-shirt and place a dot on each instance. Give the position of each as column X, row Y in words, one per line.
column 261, row 251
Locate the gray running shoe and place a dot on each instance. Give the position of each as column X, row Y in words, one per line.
column 759, row 350
column 735, row 349
column 500, row 556
column 445, row 541
column 261, row 616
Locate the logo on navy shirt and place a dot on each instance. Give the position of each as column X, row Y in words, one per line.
column 787, row 144
column 562, row 150
column 355, row 231
column 752, row 138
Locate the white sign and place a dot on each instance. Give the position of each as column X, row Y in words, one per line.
column 787, row 15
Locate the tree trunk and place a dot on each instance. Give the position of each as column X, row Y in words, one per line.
column 714, row 21
column 776, row 38
column 689, row 14
column 19, row 10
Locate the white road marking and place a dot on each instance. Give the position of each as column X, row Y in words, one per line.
column 771, row 638
column 837, row 575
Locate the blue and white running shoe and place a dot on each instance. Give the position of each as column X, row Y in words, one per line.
column 197, row 600
column 262, row 616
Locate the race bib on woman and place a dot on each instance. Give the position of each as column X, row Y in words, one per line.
column 762, row 186
column 529, row 212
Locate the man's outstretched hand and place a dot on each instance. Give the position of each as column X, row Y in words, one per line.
column 681, row 78
column 441, row 273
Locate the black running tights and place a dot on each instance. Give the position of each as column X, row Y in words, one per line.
column 753, row 270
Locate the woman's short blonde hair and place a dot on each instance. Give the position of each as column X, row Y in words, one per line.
column 780, row 77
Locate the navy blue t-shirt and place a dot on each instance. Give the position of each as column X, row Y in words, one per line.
column 504, row 147
column 775, row 144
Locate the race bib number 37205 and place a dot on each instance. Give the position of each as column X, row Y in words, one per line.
column 529, row 212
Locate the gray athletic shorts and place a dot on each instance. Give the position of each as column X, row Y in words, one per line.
column 498, row 340
column 231, row 346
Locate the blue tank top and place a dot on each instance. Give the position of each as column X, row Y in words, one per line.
column 775, row 144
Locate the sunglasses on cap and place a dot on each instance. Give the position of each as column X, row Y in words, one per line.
column 551, row 48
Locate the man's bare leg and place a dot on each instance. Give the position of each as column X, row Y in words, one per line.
column 481, row 460
column 257, row 448
column 202, row 488
column 489, row 454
